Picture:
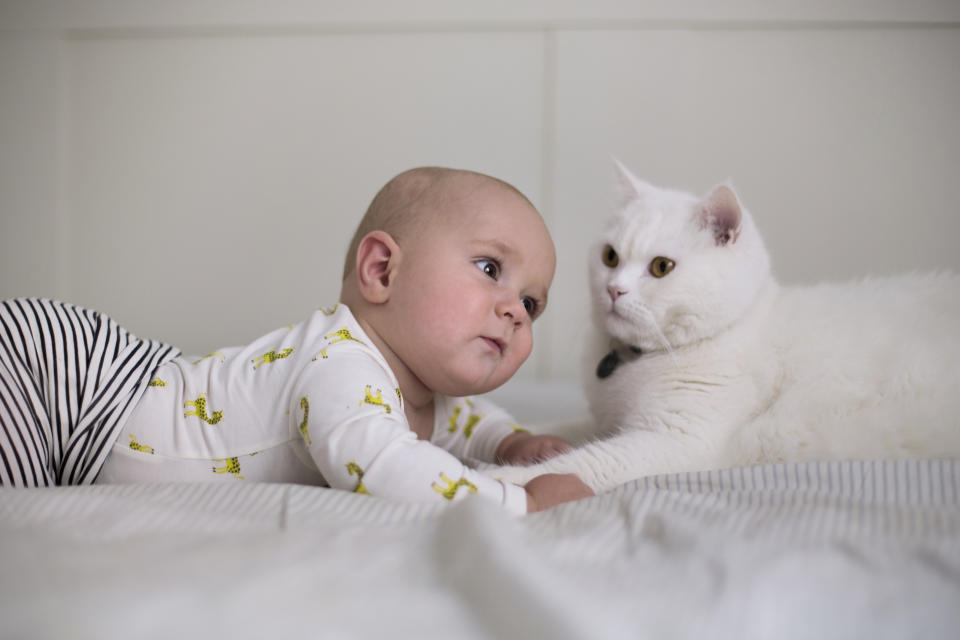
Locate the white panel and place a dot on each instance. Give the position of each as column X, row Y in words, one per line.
column 29, row 179
column 214, row 183
column 113, row 14
column 843, row 143
column 211, row 126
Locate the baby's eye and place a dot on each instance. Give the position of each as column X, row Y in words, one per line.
column 489, row 267
column 531, row 306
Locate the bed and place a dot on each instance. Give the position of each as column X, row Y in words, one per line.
column 825, row 549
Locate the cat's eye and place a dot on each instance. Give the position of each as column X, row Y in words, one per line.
column 661, row 266
column 610, row 257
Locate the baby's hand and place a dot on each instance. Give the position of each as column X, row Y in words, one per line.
column 526, row 449
column 552, row 489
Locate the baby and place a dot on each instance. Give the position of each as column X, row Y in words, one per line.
column 444, row 277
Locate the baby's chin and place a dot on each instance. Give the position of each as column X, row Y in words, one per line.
column 459, row 384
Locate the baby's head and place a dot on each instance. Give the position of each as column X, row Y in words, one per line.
column 447, row 271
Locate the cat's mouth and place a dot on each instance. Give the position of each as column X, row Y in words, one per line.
column 625, row 325
column 614, row 311
column 619, row 315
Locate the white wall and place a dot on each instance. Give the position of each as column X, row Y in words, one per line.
column 195, row 169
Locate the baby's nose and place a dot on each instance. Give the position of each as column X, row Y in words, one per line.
column 511, row 307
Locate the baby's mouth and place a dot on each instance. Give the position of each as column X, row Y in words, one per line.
column 496, row 344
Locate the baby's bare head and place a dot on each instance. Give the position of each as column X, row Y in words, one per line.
column 446, row 274
column 416, row 198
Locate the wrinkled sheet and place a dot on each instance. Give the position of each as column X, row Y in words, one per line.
column 840, row 549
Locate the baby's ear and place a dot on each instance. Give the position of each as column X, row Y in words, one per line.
column 377, row 258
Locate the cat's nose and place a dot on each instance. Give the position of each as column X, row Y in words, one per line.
column 615, row 292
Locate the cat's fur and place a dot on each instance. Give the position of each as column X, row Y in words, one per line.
column 736, row 370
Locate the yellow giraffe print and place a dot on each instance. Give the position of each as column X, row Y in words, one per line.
column 453, row 419
column 329, row 312
column 212, row 354
column 341, row 335
column 471, row 422
column 376, row 400
column 157, row 382
column 271, row 356
column 305, row 405
column 518, row 429
column 354, row 469
column 231, row 465
column 450, row 491
column 136, row 446
column 200, row 410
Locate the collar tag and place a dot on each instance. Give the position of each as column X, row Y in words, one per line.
column 610, row 362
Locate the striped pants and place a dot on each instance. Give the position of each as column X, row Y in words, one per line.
column 69, row 378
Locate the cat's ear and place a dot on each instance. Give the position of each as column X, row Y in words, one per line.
column 629, row 187
column 720, row 212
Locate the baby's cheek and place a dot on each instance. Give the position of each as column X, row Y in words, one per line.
column 524, row 343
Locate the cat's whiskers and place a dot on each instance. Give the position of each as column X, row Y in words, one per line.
column 661, row 337
column 666, row 345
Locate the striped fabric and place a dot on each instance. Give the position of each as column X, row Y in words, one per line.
column 778, row 503
column 69, row 377
column 806, row 550
column 784, row 504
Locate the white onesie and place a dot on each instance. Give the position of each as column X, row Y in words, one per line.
column 315, row 403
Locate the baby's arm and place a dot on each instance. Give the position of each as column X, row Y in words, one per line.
column 552, row 489
column 523, row 448
column 477, row 430
column 354, row 427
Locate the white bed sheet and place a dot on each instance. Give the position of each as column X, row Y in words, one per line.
column 824, row 550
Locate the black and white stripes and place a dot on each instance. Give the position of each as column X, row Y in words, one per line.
column 69, row 377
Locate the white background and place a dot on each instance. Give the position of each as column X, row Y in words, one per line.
column 196, row 168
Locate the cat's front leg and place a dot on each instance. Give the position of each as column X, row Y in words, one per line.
column 600, row 467
column 606, row 464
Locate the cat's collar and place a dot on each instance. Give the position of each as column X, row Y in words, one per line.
column 619, row 354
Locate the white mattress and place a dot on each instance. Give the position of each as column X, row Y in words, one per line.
column 813, row 550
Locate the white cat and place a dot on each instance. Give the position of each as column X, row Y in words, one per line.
column 699, row 360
